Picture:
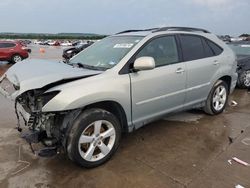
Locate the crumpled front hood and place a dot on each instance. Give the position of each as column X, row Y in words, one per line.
column 34, row 74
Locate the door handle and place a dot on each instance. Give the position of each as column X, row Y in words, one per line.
column 180, row 70
column 216, row 62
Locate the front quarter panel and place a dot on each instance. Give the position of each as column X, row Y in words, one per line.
column 80, row 93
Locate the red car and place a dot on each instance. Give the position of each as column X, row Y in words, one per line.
column 13, row 51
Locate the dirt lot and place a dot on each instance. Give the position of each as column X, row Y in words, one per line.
column 189, row 149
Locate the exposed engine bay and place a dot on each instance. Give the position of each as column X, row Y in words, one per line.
column 40, row 127
column 27, row 84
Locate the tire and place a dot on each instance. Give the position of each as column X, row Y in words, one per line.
column 16, row 58
column 93, row 149
column 244, row 79
column 216, row 104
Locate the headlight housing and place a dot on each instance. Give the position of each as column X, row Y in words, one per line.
column 46, row 97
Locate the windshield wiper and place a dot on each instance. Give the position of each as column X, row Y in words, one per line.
column 91, row 67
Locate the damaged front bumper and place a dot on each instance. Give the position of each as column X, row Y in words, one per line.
column 37, row 128
column 34, row 127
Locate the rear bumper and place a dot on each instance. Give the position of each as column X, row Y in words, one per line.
column 234, row 82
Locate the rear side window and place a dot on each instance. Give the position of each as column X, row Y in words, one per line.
column 215, row 48
column 192, row 47
column 7, row 45
column 208, row 50
column 196, row 47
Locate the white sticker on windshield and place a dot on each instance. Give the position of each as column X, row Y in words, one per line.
column 245, row 45
column 124, row 45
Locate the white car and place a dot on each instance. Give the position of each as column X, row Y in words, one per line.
column 67, row 43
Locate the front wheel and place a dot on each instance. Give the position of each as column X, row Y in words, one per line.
column 93, row 138
column 244, row 79
column 16, row 58
column 217, row 99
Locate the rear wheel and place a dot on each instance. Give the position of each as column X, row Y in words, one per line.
column 217, row 99
column 16, row 58
column 94, row 138
column 244, row 79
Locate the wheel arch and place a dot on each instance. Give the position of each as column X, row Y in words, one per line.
column 228, row 80
column 113, row 107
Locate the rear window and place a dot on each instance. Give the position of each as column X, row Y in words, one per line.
column 7, row 45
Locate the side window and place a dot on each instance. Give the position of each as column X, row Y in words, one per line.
column 208, row 50
column 215, row 48
column 163, row 50
column 192, row 47
column 8, row 45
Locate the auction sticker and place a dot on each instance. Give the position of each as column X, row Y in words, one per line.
column 245, row 45
column 123, row 45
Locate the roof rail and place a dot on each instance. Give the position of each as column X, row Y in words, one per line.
column 137, row 30
column 188, row 29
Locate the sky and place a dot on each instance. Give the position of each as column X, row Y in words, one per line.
column 111, row 16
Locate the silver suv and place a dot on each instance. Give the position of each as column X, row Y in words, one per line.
column 118, row 85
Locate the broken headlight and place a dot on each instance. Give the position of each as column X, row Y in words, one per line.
column 8, row 87
column 46, row 97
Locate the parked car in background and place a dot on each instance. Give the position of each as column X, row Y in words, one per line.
column 25, row 42
column 225, row 38
column 242, row 50
column 13, row 51
column 66, row 43
column 70, row 52
column 54, row 43
column 38, row 42
column 76, row 43
column 118, row 85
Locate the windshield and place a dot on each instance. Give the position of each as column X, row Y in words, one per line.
column 240, row 49
column 106, row 53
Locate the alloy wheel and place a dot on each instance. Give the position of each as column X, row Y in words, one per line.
column 17, row 58
column 219, row 98
column 97, row 140
column 247, row 78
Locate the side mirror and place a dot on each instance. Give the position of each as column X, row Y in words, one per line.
column 144, row 63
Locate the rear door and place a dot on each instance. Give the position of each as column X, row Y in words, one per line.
column 161, row 90
column 202, row 63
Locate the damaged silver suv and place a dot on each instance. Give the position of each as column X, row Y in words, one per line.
column 118, row 85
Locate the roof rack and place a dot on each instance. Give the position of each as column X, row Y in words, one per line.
column 154, row 30
column 137, row 30
column 188, row 29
